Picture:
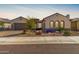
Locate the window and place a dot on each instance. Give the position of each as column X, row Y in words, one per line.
column 56, row 24
column 62, row 24
column 51, row 24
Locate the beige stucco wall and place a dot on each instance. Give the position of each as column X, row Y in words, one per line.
column 57, row 17
column 7, row 25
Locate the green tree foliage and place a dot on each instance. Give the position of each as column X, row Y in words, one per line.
column 67, row 33
column 31, row 23
column 2, row 24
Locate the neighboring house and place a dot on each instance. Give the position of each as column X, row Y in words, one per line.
column 5, row 24
column 19, row 23
column 75, row 24
column 56, row 21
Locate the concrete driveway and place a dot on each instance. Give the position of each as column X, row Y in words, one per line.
column 8, row 33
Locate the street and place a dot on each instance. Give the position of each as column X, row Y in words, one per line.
column 42, row 45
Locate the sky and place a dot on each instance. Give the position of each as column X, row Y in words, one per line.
column 40, row 11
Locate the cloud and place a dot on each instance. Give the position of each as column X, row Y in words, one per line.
column 39, row 12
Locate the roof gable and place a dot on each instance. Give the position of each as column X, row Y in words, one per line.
column 5, row 20
column 75, row 19
column 56, row 14
column 19, row 20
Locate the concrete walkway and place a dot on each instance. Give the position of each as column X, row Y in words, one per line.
column 40, row 40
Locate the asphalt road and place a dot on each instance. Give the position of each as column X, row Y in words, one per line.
column 40, row 49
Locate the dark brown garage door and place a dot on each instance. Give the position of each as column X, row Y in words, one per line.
column 19, row 26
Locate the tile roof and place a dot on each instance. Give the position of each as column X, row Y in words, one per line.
column 19, row 20
column 4, row 20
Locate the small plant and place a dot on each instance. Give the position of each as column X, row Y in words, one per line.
column 24, row 31
column 66, row 33
column 50, row 30
column 60, row 29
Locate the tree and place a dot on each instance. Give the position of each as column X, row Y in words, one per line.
column 2, row 24
column 31, row 23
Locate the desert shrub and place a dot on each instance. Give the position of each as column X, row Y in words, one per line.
column 60, row 29
column 24, row 31
column 66, row 33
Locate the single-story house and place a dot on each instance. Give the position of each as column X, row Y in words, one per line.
column 53, row 21
column 57, row 20
column 5, row 24
column 19, row 23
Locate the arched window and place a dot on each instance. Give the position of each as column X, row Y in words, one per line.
column 62, row 24
column 56, row 24
column 51, row 24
